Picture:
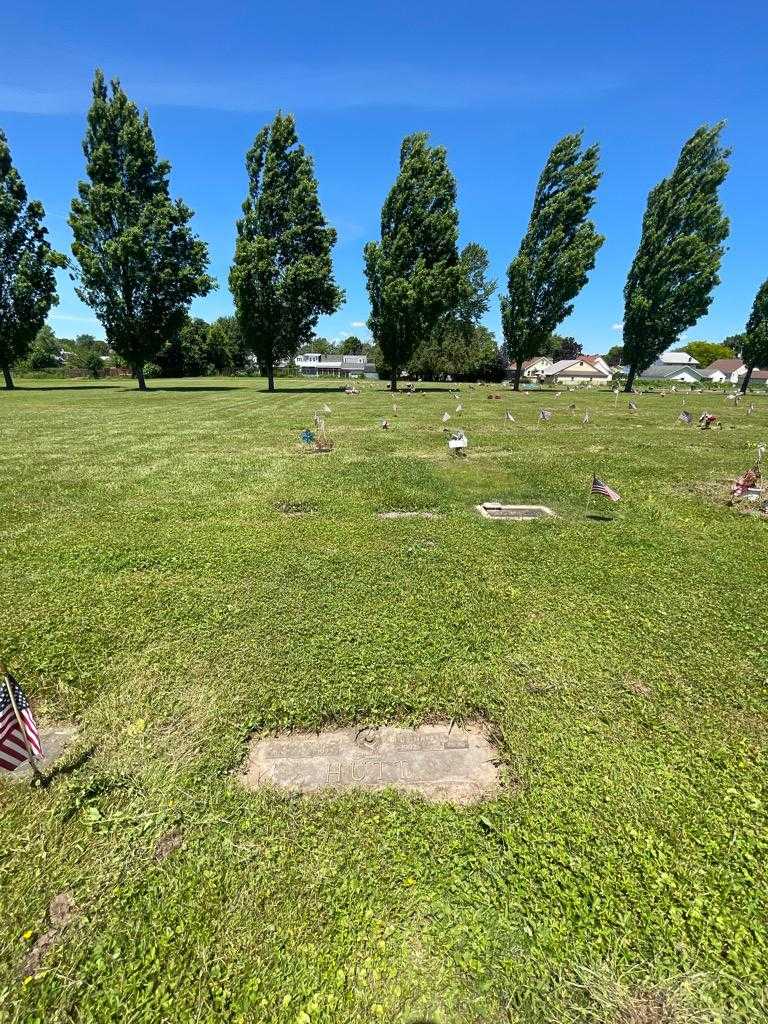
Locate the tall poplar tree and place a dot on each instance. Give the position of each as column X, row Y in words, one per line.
column 670, row 282
column 754, row 350
column 282, row 275
column 27, row 262
column 140, row 263
column 414, row 275
column 556, row 253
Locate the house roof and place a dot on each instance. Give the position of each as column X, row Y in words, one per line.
column 536, row 359
column 564, row 365
column 760, row 375
column 724, row 365
column 677, row 359
column 662, row 371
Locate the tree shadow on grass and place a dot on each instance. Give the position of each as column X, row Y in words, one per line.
column 164, row 387
column 600, row 518
column 67, row 387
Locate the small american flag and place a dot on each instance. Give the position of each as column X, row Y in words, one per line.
column 586, row 417
column 633, row 406
column 600, row 487
column 686, row 418
column 545, row 415
column 17, row 738
column 446, row 417
column 509, row 417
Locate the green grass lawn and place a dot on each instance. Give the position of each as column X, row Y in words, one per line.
column 154, row 592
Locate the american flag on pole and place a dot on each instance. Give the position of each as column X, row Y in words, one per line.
column 19, row 738
column 685, row 417
column 600, row 487
column 545, row 415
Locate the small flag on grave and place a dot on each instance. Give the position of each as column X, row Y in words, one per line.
column 446, row 417
column 751, row 408
column 600, row 487
column 509, row 417
column 327, row 409
column 685, row 417
column 586, row 417
column 545, row 415
column 19, row 738
column 459, row 407
column 385, row 424
column 633, row 407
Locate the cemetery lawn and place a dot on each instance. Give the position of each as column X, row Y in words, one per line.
column 177, row 574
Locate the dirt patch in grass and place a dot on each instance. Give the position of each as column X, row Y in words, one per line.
column 61, row 911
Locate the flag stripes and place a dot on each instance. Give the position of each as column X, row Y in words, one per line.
column 18, row 733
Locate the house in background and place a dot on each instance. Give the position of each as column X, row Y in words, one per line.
column 314, row 364
column 724, row 371
column 677, row 359
column 533, row 369
column 679, row 372
column 582, row 370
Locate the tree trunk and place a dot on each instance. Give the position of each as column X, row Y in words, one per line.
column 630, row 380
column 139, row 371
column 394, row 378
column 518, row 374
column 746, row 378
column 270, row 376
column 9, row 385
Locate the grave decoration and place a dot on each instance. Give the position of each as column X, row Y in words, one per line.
column 457, row 442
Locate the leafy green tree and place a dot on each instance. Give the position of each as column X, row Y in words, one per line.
column 353, row 346
column 755, row 349
column 706, row 352
column 556, row 253
column 735, row 343
column 226, row 346
column 186, row 353
column 476, row 288
column 669, row 285
column 86, row 353
column 45, row 352
column 563, row 347
column 615, row 355
column 282, row 276
column 460, row 351
column 413, row 273
column 27, row 264
column 140, row 263
column 321, row 346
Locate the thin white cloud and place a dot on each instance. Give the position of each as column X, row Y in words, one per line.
column 332, row 87
column 617, row 327
column 358, row 323
column 72, row 318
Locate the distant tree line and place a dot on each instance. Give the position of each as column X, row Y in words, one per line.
column 138, row 265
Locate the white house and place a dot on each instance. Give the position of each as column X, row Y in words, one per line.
column 685, row 374
column 725, row 371
column 582, row 370
column 533, row 368
column 315, row 364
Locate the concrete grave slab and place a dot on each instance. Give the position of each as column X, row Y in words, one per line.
column 515, row 513
column 442, row 762
column 55, row 737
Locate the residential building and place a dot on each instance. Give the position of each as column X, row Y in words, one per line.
column 683, row 373
column 724, row 371
column 315, row 364
column 582, row 370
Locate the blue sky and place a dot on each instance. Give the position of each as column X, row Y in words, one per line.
column 497, row 84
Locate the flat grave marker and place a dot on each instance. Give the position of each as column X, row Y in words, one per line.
column 443, row 762
column 514, row 513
